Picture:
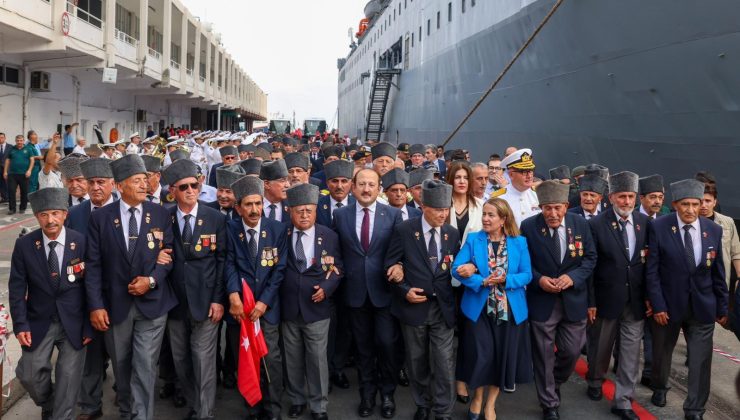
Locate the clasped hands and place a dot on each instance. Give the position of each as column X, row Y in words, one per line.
column 555, row 285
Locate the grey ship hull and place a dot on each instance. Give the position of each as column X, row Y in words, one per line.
column 648, row 86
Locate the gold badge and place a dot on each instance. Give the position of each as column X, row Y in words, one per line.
column 417, row 235
column 264, row 263
column 444, row 266
column 580, row 252
column 270, row 263
column 198, row 248
column 573, row 254
column 151, row 245
column 326, row 207
column 213, row 247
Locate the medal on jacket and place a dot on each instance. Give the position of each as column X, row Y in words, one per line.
column 70, row 274
column 150, row 238
column 264, row 257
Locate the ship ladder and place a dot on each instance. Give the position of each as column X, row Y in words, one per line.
column 378, row 104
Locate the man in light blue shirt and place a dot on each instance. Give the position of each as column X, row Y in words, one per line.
column 69, row 138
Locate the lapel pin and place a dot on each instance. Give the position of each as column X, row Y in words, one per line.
column 117, row 222
column 417, row 235
column 264, row 234
column 637, row 228
column 200, row 222
column 38, row 244
column 705, row 235
column 446, row 237
column 326, row 207
column 72, row 246
column 673, row 228
column 241, row 236
column 614, row 225
column 544, row 232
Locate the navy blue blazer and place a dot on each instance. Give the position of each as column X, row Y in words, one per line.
column 297, row 288
column 233, row 215
column 409, row 248
column 413, row 211
column 545, row 263
column 316, row 164
column 33, row 301
column 323, row 210
column 365, row 274
column 321, row 176
column 197, row 275
column 618, row 279
column 672, row 285
column 78, row 217
column 109, row 270
column 264, row 279
column 285, row 217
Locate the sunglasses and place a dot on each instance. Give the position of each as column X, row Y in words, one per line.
column 184, row 187
column 229, row 157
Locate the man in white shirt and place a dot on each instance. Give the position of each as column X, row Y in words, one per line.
column 80, row 146
column 521, row 197
column 133, row 147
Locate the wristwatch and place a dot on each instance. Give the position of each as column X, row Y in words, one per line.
column 152, row 283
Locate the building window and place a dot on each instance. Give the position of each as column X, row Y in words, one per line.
column 449, row 12
column 12, row 76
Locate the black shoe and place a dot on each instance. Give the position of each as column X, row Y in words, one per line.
column 366, row 408
column 645, row 381
column 625, row 414
column 473, row 416
column 340, row 380
column 694, row 417
column 421, row 413
column 550, row 414
column 319, row 416
column 403, row 378
column 167, row 391
column 11, row 212
column 658, row 398
column 464, row 399
column 179, row 400
column 387, row 406
column 229, row 381
column 595, row 393
column 296, row 410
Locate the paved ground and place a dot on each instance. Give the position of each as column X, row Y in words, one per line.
column 724, row 403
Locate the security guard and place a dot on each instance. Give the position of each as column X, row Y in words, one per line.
column 519, row 194
column 48, row 307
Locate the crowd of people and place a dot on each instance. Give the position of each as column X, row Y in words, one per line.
column 455, row 278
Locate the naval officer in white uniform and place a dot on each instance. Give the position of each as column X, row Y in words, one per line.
column 519, row 194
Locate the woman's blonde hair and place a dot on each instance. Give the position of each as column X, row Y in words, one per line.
column 504, row 211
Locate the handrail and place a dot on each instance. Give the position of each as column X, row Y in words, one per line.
column 174, row 64
column 124, row 37
column 189, row 72
column 154, row 53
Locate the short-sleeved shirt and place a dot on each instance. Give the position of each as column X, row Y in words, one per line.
column 20, row 159
column 69, row 140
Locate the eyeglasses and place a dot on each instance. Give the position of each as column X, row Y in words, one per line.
column 184, row 187
column 495, row 168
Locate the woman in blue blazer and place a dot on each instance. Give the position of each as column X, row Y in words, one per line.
column 494, row 267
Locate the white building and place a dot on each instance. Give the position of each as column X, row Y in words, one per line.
column 171, row 69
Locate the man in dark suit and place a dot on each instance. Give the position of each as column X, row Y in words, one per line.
column 100, row 184
column 47, row 305
column 128, row 294
column 275, row 177
column 229, row 156
column 197, row 278
column 416, row 157
column 395, row 187
column 591, row 190
column 73, row 179
column 225, row 200
column 617, row 303
column 365, row 231
column 339, row 179
column 687, row 289
column 652, row 195
column 297, row 164
column 4, row 147
column 313, row 273
column 563, row 258
column 257, row 253
column 317, row 159
column 438, row 165
column 416, row 178
column 156, row 194
column 330, row 153
column 419, row 261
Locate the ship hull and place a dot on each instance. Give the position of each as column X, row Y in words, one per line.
column 651, row 87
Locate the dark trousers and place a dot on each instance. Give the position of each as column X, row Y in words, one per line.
column 15, row 181
column 3, row 189
column 376, row 334
column 340, row 336
column 699, row 340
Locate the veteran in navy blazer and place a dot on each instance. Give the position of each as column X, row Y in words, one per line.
column 313, row 272
column 365, row 231
column 225, row 200
column 687, row 289
column 47, row 305
column 563, row 257
column 423, row 250
column 128, row 292
column 617, row 305
column 256, row 254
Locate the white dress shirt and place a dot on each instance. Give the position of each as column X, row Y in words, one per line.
column 79, row 200
column 642, row 210
column 278, row 209
column 426, row 227
column 563, row 239
column 256, row 232
column 79, row 149
column 308, row 244
column 333, row 205
column 59, row 250
column 181, row 218
column 157, row 195
column 523, row 203
column 589, row 216
column 404, row 212
column 631, row 238
column 358, row 220
column 695, row 237
column 125, row 216
column 110, row 200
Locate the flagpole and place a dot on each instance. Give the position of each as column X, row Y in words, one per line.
column 267, row 372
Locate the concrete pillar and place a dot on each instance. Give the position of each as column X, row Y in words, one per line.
column 109, row 34
column 216, row 67
column 184, row 46
column 196, row 62
column 143, row 30
column 167, row 35
column 209, row 51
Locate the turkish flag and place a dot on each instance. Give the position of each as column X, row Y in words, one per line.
column 252, row 349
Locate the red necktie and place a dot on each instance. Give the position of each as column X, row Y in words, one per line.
column 365, row 230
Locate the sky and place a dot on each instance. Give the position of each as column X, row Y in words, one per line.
column 288, row 47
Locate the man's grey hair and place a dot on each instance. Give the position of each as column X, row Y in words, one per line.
column 479, row 165
column 430, row 146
